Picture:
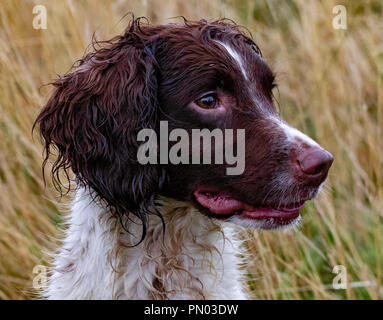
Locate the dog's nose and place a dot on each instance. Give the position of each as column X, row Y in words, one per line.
column 314, row 163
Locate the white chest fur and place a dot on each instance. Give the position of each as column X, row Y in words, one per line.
column 196, row 257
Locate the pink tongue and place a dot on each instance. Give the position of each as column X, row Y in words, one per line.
column 219, row 204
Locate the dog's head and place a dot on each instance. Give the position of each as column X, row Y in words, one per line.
column 198, row 75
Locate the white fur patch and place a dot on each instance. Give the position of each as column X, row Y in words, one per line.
column 235, row 56
column 196, row 257
column 263, row 224
column 293, row 134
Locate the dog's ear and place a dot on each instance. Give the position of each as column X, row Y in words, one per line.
column 93, row 117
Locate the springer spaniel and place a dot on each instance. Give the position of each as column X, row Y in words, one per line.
column 166, row 231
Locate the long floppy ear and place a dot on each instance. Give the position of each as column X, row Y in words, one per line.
column 93, row 117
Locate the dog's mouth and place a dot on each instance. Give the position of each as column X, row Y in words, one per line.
column 222, row 204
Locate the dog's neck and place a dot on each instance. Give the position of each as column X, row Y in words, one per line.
column 195, row 258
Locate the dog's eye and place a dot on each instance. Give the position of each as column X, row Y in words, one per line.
column 209, row 101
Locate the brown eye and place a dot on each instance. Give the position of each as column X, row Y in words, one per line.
column 207, row 102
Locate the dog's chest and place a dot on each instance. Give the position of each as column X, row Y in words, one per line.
column 195, row 258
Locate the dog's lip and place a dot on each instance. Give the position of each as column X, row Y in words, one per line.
column 222, row 203
column 292, row 212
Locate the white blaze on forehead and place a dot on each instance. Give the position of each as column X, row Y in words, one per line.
column 234, row 55
column 294, row 134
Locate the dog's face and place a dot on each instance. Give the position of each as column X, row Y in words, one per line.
column 224, row 83
column 194, row 76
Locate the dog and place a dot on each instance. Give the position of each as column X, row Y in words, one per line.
column 167, row 231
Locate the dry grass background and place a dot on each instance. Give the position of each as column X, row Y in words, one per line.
column 330, row 87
